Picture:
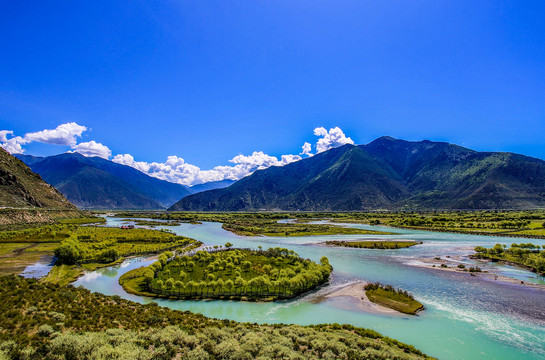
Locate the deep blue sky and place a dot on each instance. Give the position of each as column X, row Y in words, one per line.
column 207, row 80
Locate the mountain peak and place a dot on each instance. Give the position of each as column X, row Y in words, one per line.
column 387, row 173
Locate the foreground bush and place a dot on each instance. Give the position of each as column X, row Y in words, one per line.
column 44, row 321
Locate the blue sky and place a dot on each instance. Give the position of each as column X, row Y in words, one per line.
column 208, row 80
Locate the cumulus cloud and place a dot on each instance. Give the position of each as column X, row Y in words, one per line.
column 307, row 148
column 334, row 138
column 4, row 135
column 13, row 145
column 176, row 170
column 64, row 134
column 92, row 148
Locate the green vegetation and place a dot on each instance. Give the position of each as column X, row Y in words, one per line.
column 64, row 274
column 86, row 246
column 231, row 274
column 373, row 244
column 396, row 299
column 254, row 224
column 47, row 321
column 502, row 223
column 155, row 223
column 526, row 255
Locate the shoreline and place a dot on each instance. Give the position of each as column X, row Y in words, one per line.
column 356, row 292
column 486, row 274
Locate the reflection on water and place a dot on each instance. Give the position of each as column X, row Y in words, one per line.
column 39, row 269
column 465, row 318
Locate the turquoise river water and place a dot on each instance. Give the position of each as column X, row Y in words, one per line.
column 466, row 317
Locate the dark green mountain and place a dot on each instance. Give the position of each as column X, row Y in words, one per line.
column 22, row 188
column 386, row 174
column 95, row 183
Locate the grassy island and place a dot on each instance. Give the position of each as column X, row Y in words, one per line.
column 230, row 274
column 255, row 224
column 524, row 255
column 373, row 244
column 46, row 321
column 396, row 299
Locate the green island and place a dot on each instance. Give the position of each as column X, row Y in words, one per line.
column 397, row 299
column 240, row 274
column 48, row 321
column 142, row 222
column 519, row 223
column 255, row 224
column 516, row 223
column 368, row 244
column 523, row 255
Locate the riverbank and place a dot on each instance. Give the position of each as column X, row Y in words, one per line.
column 469, row 232
column 485, row 273
column 357, row 293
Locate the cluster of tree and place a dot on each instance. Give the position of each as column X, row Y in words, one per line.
column 105, row 245
column 397, row 299
column 373, row 244
column 276, row 272
column 524, row 254
column 398, row 293
column 45, row 321
column 464, row 221
column 257, row 223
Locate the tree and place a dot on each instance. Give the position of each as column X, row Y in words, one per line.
column 480, row 249
column 67, row 253
column 228, row 245
column 109, row 255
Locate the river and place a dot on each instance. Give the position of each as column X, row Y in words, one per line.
column 466, row 317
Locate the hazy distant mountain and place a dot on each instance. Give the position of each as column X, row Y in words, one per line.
column 211, row 186
column 386, row 174
column 96, row 183
column 22, row 188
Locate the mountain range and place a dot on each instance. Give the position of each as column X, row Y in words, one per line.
column 387, row 174
column 96, row 183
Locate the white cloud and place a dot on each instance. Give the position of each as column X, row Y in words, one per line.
column 13, row 145
column 92, row 148
column 64, row 134
column 334, row 138
column 4, row 135
column 258, row 159
column 176, row 170
column 288, row 159
column 307, row 148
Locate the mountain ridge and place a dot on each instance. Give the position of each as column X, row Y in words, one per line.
column 387, row 174
column 96, row 183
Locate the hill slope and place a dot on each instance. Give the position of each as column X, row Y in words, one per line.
column 22, row 188
column 386, row 174
column 92, row 182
